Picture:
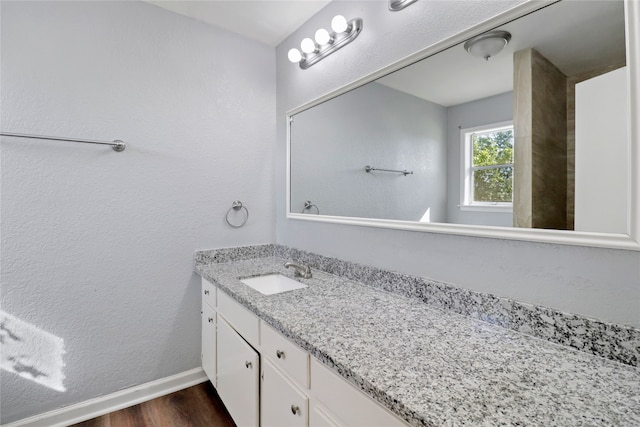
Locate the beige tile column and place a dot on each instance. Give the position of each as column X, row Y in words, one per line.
column 540, row 154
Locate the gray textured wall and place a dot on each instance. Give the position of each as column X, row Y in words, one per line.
column 601, row 283
column 377, row 126
column 97, row 246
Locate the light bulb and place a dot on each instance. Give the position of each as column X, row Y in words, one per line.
column 322, row 36
column 308, row 46
column 339, row 24
column 294, row 55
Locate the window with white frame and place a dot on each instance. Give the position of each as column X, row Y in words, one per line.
column 487, row 167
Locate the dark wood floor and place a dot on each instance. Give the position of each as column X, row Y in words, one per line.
column 197, row 406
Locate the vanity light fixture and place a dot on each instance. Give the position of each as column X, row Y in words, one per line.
column 488, row 44
column 396, row 5
column 325, row 43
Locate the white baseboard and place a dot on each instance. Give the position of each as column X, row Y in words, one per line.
column 112, row 402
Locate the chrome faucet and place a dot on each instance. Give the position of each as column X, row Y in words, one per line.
column 300, row 270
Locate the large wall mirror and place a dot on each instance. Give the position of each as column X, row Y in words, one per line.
column 518, row 128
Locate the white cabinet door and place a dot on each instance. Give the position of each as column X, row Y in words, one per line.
column 209, row 342
column 283, row 404
column 238, row 376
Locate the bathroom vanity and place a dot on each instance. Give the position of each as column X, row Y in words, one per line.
column 265, row 379
column 343, row 353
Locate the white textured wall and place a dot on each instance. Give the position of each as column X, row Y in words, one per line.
column 377, row 126
column 97, row 246
column 601, row 283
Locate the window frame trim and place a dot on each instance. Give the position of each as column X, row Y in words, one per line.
column 465, row 170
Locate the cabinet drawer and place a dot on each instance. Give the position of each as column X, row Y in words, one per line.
column 348, row 403
column 241, row 319
column 285, row 355
column 282, row 403
column 209, row 292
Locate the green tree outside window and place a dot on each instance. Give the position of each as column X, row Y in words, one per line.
column 492, row 166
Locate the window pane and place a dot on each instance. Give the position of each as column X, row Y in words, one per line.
column 493, row 148
column 493, row 185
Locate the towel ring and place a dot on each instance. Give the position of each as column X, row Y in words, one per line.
column 236, row 206
column 308, row 205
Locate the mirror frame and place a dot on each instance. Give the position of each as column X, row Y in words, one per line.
column 628, row 241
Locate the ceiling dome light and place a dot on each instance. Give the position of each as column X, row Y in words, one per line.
column 322, row 36
column 308, row 46
column 488, row 44
column 294, row 55
column 339, row 24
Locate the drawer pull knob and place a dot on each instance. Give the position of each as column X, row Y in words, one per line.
column 210, row 319
column 206, row 291
column 280, row 354
column 295, row 409
column 247, row 364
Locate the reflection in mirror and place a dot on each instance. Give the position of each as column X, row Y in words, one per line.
column 534, row 136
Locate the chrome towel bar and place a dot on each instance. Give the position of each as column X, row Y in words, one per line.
column 117, row 145
column 371, row 168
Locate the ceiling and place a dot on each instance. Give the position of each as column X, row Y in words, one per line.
column 267, row 21
column 576, row 36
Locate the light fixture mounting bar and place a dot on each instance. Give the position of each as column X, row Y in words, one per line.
column 396, row 5
column 339, row 40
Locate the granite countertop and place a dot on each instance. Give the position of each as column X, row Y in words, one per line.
column 433, row 367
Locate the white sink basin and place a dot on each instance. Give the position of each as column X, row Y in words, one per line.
column 272, row 284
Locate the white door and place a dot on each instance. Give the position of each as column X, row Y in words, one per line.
column 602, row 142
column 238, row 376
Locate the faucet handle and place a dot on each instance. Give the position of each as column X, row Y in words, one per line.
column 307, row 272
column 300, row 270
